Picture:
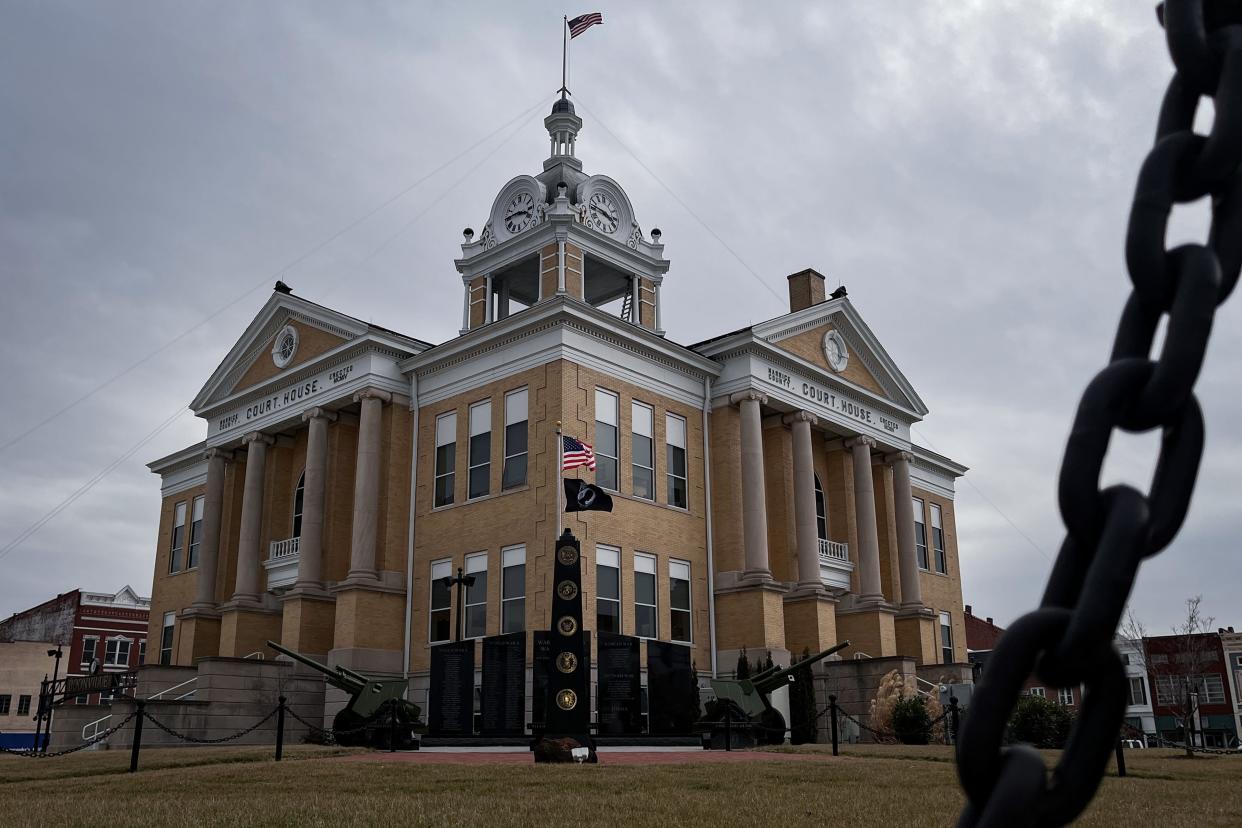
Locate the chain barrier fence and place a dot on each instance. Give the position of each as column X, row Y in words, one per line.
column 1068, row 640
column 35, row 753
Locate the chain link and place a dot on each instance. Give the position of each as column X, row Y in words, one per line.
column 330, row 732
column 1069, row 640
column 185, row 738
column 34, row 754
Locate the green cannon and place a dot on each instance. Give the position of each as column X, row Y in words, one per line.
column 373, row 703
column 743, row 714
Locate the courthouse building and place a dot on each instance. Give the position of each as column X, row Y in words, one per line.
column 767, row 492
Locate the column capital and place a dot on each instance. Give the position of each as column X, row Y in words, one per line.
column 318, row 413
column 258, row 437
column 799, row 417
column 372, row 394
column 743, row 396
column 898, row 456
column 218, row 453
column 860, row 440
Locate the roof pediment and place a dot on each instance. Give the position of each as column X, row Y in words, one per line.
column 867, row 366
column 318, row 330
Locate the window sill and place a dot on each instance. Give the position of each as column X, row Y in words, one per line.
column 183, row 571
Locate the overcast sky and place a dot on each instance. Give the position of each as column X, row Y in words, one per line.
column 964, row 168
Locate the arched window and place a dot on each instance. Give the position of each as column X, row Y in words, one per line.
column 297, row 506
column 821, row 511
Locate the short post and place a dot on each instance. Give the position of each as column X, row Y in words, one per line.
column 728, row 728
column 1121, row 758
column 133, row 752
column 39, row 747
column 832, row 713
column 392, row 726
column 955, row 716
column 280, row 727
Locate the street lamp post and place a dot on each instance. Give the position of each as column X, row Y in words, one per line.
column 45, row 703
column 461, row 581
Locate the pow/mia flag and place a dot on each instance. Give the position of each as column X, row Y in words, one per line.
column 581, row 496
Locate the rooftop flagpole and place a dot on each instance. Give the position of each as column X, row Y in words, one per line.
column 560, row 469
column 564, row 65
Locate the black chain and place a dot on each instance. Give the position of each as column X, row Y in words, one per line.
column 35, row 754
column 330, row 732
column 185, row 738
column 1069, row 639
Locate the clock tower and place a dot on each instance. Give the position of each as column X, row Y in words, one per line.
column 562, row 233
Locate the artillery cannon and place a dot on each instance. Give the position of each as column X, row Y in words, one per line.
column 368, row 717
column 743, row 714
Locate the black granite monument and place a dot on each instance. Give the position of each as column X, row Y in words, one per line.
column 672, row 700
column 451, row 704
column 504, row 685
column 619, row 693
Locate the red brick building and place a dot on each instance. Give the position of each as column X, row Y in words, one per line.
column 981, row 637
column 110, row 627
column 1188, row 673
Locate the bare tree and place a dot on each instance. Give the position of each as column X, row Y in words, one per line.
column 1178, row 663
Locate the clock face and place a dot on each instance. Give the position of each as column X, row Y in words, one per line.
column 602, row 213
column 520, row 213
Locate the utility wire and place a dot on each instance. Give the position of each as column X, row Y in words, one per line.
column 90, row 484
column 275, row 274
column 988, row 500
column 684, row 205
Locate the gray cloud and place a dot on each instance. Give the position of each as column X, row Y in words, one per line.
column 965, row 170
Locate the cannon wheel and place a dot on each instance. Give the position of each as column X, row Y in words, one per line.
column 773, row 726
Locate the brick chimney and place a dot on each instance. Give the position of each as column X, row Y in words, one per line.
column 806, row 288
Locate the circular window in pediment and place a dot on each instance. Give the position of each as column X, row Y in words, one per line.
column 835, row 352
column 285, row 346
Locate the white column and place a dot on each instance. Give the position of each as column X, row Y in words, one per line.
column 805, row 529
column 487, row 292
column 868, row 531
column 903, row 511
column 248, row 552
column 366, row 484
column 213, row 507
column 465, row 307
column 310, row 547
column 754, row 493
column 560, row 266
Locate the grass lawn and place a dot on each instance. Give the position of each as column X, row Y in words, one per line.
column 867, row 785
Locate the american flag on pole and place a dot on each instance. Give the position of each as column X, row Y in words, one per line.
column 583, row 22
column 576, row 453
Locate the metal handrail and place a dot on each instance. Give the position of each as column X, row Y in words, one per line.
column 861, row 656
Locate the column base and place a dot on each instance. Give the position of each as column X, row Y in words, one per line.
column 810, row 622
column 245, row 630
column 751, row 616
column 200, row 634
column 368, row 616
column 870, row 630
column 916, row 628
column 308, row 622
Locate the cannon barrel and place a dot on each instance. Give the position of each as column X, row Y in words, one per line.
column 771, row 679
column 339, row 677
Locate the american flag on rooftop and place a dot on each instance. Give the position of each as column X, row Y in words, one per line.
column 575, row 453
column 583, row 22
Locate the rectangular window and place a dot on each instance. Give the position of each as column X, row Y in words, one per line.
column 606, row 440
column 1138, row 692
column 513, row 589
column 642, row 428
column 446, row 458
column 946, row 638
column 920, row 533
column 480, row 450
column 23, row 705
column 90, row 650
column 142, row 651
column 1211, row 689
column 607, row 589
column 942, row 565
column 116, row 652
column 476, row 596
column 166, row 638
column 645, row 596
column 196, row 532
column 516, row 437
column 679, row 601
column 177, row 549
column 5, row 702
column 1038, row 691
column 441, row 605
column 1065, row 696
column 675, row 443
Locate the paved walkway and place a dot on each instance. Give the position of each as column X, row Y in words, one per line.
column 613, row 756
